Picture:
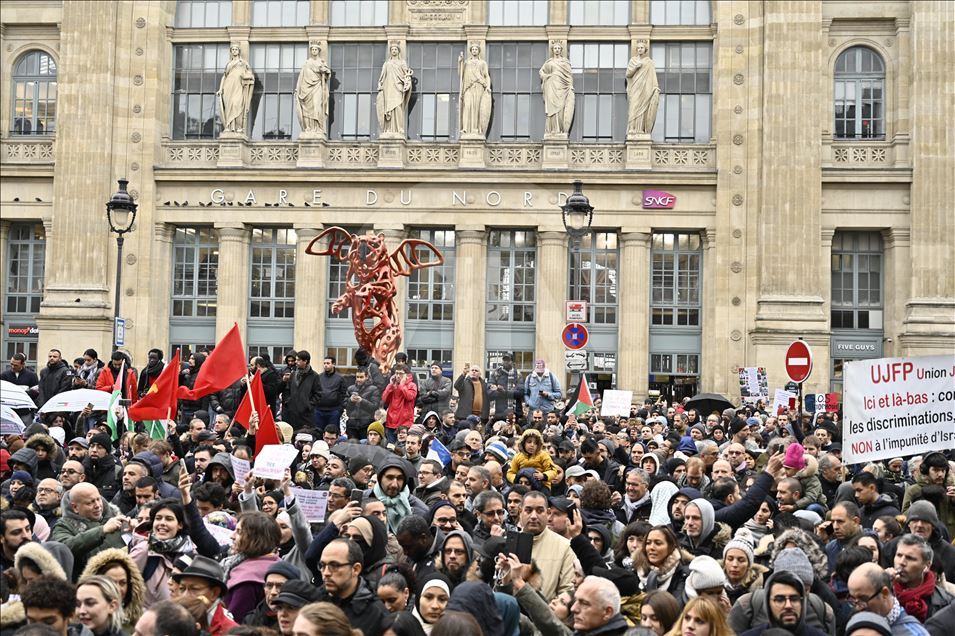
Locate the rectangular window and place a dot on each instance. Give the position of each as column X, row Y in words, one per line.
column 279, row 13
column 26, row 253
column 516, row 90
column 431, row 290
column 684, row 72
column 194, row 14
column 435, row 87
column 197, row 70
column 675, row 279
column 344, row 362
column 359, row 12
column 195, row 272
column 511, row 278
column 276, row 352
column 276, row 72
column 517, row 12
column 593, row 276
column 186, row 349
column 337, row 269
column 680, row 12
column 421, row 359
column 857, row 280
column 600, row 12
column 272, row 293
column 353, row 88
column 600, row 82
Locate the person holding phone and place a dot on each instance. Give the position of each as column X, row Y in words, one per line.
column 551, row 552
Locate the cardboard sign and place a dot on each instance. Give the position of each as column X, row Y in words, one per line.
column 898, row 407
column 273, row 459
column 616, row 403
column 241, row 468
column 313, row 503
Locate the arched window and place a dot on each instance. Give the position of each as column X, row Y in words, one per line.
column 859, row 96
column 34, row 94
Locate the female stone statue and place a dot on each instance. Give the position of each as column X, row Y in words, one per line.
column 557, row 85
column 394, row 91
column 311, row 92
column 235, row 92
column 475, row 106
column 643, row 92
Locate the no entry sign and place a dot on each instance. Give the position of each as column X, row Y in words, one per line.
column 575, row 336
column 798, row 361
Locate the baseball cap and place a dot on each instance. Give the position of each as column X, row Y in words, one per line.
column 575, row 471
column 79, row 440
column 297, row 593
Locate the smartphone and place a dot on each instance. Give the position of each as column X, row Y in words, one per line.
column 89, row 406
column 521, row 544
column 357, row 494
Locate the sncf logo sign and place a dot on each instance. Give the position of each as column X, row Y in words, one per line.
column 658, row 200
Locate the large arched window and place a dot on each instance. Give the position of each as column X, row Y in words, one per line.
column 34, row 94
column 859, row 95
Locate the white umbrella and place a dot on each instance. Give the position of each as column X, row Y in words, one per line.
column 15, row 396
column 76, row 400
column 10, row 422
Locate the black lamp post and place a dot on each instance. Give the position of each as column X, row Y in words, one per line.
column 577, row 215
column 121, row 214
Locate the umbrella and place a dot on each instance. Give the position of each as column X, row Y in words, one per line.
column 10, row 422
column 376, row 455
column 706, row 403
column 15, row 396
column 76, row 400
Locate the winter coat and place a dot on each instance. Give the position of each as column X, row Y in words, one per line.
column 331, row 391
column 509, row 392
column 922, row 489
column 737, row 514
column 553, row 555
column 811, row 486
column 133, row 604
column 943, row 555
column 48, row 468
column 300, row 398
column 83, row 537
column 541, row 460
column 54, row 380
column 221, row 622
column 12, row 614
column 537, row 609
column 399, row 399
column 107, row 379
column 362, row 413
column 712, row 544
column 752, row 582
column 616, row 626
column 465, row 388
column 534, row 384
column 272, row 386
column 105, row 474
column 883, row 505
column 752, row 610
column 245, row 582
column 228, row 399
column 363, row 609
column 157, row 585
column 26, row 378
column 434, row 394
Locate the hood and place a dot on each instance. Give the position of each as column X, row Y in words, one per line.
column 220, row 459
column 687, row 445
column 689, row 492
column 529, row 433
column 44, row 441
column 810, row 469
column 656, row 461
column 100, row 562
column 36, row 555
column 24, row 456
column 466, row 538
column 477, row 599
column 200, row 358
column 153, row 463
column 604, row 534
column 424, row 420
column 708, row 515
column 12, row 615
column 810, row 547
column 529, row 474
column 788, row 578
column 660, row 496
column 377, row 550
column 393, row 461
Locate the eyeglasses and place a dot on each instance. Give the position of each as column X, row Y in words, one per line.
column 332, row 565
column 786, row 600
column 862, row 602
column 42, row 491
column 455, row 551
column 69, row 471
column 494, row 513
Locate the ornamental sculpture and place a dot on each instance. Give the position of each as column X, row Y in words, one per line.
column 643, row 92
column 235, row 92
column 311, row 93
column 394, row 91
column 475, row 94
column 557, row 88
column 370, row 284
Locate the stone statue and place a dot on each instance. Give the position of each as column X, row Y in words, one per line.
column 235, row 92
column 394, row 91
column 475, row 106
column 557, row 85
column 311, row 92
column 643, row 92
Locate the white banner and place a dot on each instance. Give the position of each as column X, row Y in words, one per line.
column 273, row 459
column 241, row 468
column 616, row 403
column 898, row 407
column 313, row 503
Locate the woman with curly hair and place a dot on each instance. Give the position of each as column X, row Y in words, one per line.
column 659, row 564
column 701, row 617
column 597, row 509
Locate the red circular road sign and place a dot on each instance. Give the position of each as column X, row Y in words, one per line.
column 798, row 361
column 575, row 336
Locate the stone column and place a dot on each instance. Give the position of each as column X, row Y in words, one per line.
column 159, row 267
column 470, row 306
column 633, row 326
column 5, row 249
column 232, row 298
column 714, row 350
column 897, row 284
column 930, row 316
column 902, row 137
column 77, row 305
column 311, row 279
column 552, row 275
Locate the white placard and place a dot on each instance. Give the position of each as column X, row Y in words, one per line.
column 222, row 535
column 781, row 400
column 273, row 459
column 898, row 407
column 616, row 403
column 313, row 503
column 241, row 468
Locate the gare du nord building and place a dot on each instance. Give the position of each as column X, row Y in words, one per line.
column 808, row 145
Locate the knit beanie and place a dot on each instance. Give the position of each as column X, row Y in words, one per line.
column 922, row 511
column 699, row 427
column 795, row 560
column 868, row 620
column 103, row 440
column 22, row 476
column 498, row 449
column 357, row 462
column 284, row 568
column 795, row 457
column 377, row 427
column 743, row 541
column 705, row 573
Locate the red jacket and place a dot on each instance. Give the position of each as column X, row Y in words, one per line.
column 221, row 621
column 106, row 380
column 399, row 399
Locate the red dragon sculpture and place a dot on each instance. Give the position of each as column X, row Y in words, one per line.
column 370, row 284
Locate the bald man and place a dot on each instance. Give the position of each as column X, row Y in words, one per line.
column 89, row 524
column 72, row 473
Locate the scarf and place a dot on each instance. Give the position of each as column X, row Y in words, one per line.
column 915, row 599
column 659, row 577
column 168, row 547
column 89, row 371
column 397, row 508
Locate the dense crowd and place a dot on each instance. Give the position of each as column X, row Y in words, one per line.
column 493, row 503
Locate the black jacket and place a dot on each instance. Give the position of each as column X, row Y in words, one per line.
column 616, row 626
column 331, row 391
column 362, row 413
column 27, row 377
column 228, row 399
column 300, row 398
column 883, row 505
column 272, row 386
column 54, row 380
column 510, row 391
column 737, row 514
column 363, row 609
column 465, row 389
column 102, row 473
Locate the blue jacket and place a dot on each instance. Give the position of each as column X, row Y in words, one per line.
column 549, row 384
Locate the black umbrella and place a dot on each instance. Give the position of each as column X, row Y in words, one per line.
column 706, row 403
column 375, row 455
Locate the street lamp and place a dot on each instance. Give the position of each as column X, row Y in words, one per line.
column 121, row 214
column 577, row 215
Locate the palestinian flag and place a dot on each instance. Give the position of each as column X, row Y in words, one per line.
column 114, row 405
column 585, row 401
column 155, row 428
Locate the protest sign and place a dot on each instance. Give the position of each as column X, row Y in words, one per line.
column 753, row 385
column 781, row 400
column 898, row 407
column 312, row 503
column 220, row 534
column 241, row 468
column 273, row 459
column 616, row 403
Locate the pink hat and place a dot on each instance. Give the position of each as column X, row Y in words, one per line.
column 794, row 457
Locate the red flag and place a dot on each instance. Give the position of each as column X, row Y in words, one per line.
column 160, row 402
column 254, row 400
column 225, row 365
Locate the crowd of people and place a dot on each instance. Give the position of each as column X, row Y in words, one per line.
column 489, row 504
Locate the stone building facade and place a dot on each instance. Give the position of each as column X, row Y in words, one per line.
column 808, row 145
